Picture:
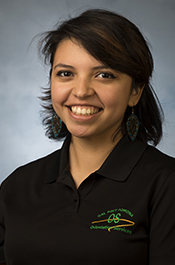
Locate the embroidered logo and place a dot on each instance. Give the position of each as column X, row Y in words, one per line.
column 113, row 220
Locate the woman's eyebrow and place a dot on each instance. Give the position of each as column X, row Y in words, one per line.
column 98, row 67
column 63, row 65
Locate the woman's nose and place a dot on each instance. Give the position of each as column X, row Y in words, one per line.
column 83, row 88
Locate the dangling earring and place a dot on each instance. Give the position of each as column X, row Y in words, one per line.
column 132, row 125
column 56, row 124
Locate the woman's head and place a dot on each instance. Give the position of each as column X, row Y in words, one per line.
column 117, row 43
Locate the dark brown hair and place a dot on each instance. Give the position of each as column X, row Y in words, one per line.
column 117, row 43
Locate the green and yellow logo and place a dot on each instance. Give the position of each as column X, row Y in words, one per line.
column 114, row 221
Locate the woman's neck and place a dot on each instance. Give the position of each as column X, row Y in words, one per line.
column 87, row 155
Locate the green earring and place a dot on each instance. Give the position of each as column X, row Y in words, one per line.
column 56, row 125
column 132, row 125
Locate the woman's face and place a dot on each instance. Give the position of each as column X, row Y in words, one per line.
column 89, row 97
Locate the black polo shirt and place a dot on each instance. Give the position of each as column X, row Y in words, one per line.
column 124, row 213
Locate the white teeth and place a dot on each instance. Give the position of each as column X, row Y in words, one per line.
column 88, row 111
column 84, row 111
column 73, row 109
column 78, row 111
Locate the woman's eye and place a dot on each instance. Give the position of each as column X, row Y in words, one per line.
column 64, row 74
column 106, row 75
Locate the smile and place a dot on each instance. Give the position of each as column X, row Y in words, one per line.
column 84, row 111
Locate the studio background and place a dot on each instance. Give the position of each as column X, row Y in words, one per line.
column 22, row 136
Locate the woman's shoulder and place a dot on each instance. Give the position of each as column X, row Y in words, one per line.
column 159, row 162
column 158, row 156
column 32, row 170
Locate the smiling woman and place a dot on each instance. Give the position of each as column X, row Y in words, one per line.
column 107, row 193
column 90, row 98
column 118, row 46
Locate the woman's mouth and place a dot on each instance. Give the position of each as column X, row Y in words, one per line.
column 84, row 110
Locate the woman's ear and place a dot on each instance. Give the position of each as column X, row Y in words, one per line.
column 135, row 96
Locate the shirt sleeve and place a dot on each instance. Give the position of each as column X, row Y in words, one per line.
column 162, row 225
column 2, row 229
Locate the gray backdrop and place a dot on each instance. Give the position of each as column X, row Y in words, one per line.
column 22, row 74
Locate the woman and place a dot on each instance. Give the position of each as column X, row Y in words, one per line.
column 107, row 197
